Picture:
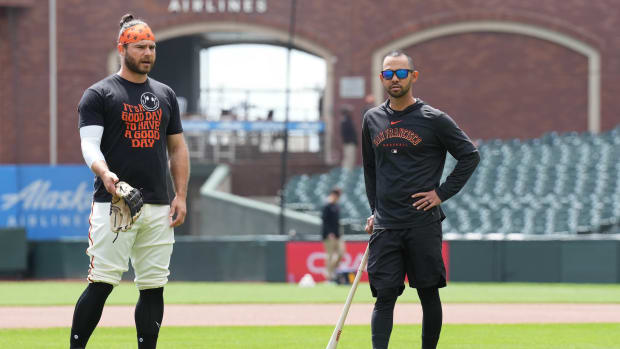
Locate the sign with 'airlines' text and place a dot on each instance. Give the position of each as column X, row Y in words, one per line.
column 218, row 6
column 49, row 201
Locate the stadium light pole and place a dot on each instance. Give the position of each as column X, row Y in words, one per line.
column 287, row 93
column 53, row 84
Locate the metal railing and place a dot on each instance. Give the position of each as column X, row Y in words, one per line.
column 236, row 104
column 228, row 141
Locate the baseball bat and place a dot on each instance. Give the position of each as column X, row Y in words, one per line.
column 333, row 341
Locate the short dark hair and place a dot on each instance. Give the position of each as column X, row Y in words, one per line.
column 336, row 191
column 346, row 109
column 398, row 53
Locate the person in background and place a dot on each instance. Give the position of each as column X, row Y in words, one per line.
column 349, row 138
column 369, row 103
column 334, row 245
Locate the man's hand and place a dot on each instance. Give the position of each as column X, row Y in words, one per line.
column 427, row 200
column 370, row 224
column 178, row 210
column 110, row 179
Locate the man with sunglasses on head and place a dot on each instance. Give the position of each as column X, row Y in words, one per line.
column 404, row 146
column 131, row 131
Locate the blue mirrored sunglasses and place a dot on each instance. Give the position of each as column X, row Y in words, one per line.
column 400, row 73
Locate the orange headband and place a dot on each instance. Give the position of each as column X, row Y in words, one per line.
column 135, row 33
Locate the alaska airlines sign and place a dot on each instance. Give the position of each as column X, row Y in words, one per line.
column 49, row 201
column 218, row 6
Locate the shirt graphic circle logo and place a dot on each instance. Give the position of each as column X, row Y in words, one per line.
column 149, row 101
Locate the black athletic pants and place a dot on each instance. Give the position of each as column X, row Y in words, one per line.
column 383, row 317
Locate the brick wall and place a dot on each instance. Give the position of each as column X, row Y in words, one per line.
column 5, row 96
column 10, row 124
column 524, row 87
column 495, row 85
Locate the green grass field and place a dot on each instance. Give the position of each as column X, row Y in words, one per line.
column 526, row 336
column 66, row 293
column 565, row 336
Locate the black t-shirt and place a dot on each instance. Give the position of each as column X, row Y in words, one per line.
column 136, row 119
column 404, row 153
column 331, row 220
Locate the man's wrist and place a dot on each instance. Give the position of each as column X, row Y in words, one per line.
column 441, row 195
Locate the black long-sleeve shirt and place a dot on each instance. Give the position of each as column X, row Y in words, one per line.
column 404, row 153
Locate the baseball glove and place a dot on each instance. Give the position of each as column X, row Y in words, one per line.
column 125, row 207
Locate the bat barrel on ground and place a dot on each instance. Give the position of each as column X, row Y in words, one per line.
column 333, row 341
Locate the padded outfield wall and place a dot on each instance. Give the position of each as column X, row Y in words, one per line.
column 278, row 259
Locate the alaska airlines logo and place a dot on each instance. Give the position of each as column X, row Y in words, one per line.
column 149, row 101
column 397, row 132
column 38, row 196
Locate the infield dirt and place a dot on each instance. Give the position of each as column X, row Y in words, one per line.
column 315, row 314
